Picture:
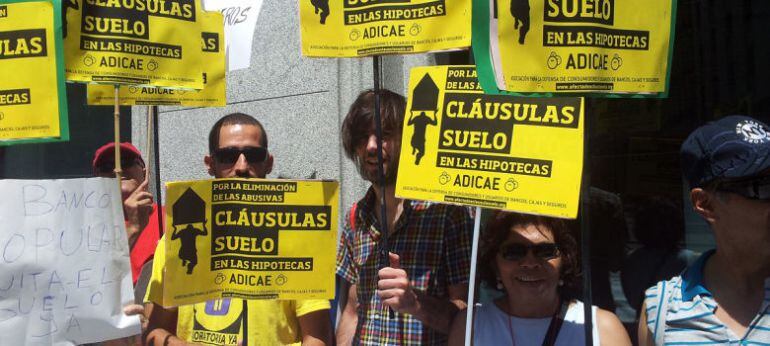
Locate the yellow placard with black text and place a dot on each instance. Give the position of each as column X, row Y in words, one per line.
column 212, row 94
column 250, row 239
column 137, row 42
column 33, row 98
column 601, row 46
column 462, row 146
column 354, row 28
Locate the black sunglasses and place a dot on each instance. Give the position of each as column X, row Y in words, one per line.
column 515, row 252
column 230, row 155
column 754, row 188
column 109, row 166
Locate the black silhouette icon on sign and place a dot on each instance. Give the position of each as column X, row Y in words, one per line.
column 323, row 7
column 65, row 4
column 520, row 13
column 188, row 210
column 424, row 99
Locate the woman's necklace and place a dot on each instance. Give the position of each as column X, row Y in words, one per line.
column 553, row 327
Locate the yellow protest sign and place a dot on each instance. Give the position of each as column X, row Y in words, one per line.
column 251, row 239
column 140, row 42
column 212, row 94
column 353, row 28
column 604, row 46
column 33, row 98
column 497, row 151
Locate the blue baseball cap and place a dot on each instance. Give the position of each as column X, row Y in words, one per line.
column 736, row 146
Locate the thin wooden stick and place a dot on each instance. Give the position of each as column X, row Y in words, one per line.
column 118, row 168
column 148, row 145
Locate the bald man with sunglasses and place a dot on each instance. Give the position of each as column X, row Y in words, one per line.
column 238, row 148
column 724, row 297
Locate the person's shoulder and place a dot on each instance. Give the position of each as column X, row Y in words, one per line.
column 352, row 221
column 662, row 287
column 611, row 330
column 306, row 306
column 607, row 318
column 575, row 312
column 154, row 291
column 655, row 295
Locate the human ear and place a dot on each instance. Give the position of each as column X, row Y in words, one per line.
column 703, row 203
column 209, row 161
column 269, row 164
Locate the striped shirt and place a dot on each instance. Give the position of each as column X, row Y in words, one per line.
column 434, row 245
column 689, row 317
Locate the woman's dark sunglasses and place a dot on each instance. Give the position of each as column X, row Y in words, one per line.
column 230, row 155
column 515, row 252
column 754, row 188
column 108, row 167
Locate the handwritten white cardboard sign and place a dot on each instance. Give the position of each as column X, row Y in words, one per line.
column 240, row 22
column 65, row 273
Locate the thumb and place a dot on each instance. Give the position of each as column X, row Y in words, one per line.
column 133, row 309
column 395, row 261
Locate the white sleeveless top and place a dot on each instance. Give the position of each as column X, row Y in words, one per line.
column 490, row 327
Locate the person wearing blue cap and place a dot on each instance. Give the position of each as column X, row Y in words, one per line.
column 724, row 297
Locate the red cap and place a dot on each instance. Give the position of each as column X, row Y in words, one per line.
column 106, row 153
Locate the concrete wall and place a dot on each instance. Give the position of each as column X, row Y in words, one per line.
column 300, row 101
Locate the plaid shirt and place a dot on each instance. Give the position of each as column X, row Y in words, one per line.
column 434, row 245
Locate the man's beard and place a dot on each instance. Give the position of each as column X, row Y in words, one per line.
column 391, row 171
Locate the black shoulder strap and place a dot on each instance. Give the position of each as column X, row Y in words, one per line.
column 556, row 321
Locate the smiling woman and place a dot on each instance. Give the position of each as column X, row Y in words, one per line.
column 533, row 260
